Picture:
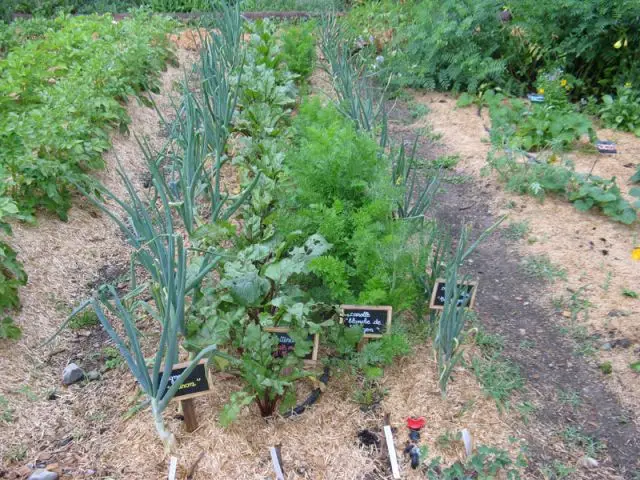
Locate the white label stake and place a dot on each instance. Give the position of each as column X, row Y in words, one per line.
column 388, row 435
column 173, row 467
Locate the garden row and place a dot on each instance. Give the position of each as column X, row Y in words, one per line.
column 52, row 7
column 323, row 216
column 60, row 95
column 562, row 52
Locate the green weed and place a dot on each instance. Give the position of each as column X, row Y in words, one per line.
column 575, row 438
column 630, row 293
column 446, row 162
column 499, row 377
column 85, row 319
column 516, row 230
column 418, row 110
column 525, row 409
column 540, row 266
column 557, row 471
column 606, row 368
column 6, row 412
column 570, row 397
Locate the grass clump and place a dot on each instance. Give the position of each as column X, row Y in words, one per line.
column 540, row 266
column 499, row 377
column 516, row 230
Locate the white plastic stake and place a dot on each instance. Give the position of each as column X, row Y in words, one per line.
column 393, row 458
column 277, row 468
column 468, row 442
column 173, row 467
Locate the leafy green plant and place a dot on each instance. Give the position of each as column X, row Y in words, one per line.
column 526, row 127
column 85, row 319
column 12, row 274
column 627, row 292
column 485, row 463
column 9, row 330
column 585, row 191
column 622, row 111
column 606, row 368
column 474, row 45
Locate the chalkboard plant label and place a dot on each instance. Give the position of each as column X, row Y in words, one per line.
column 286, row 345
column 196, row 384
column 605, row 146
column 375, row 321
column 467, row 294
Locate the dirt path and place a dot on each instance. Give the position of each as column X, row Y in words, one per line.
column 569, row 391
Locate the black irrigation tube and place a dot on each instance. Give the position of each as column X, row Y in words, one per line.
column 311, row 399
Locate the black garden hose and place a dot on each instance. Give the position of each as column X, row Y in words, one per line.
column 311, row 399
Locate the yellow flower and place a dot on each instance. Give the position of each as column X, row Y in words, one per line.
column 618, row 44
column 635, row 253
column 628, row 84
column 563, row 82
column 541, row 91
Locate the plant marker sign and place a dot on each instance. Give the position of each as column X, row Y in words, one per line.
column 196, row 384
column 286, row 344
column 535, row 98
column 376, row 321
column 605, row 146
column 467, row 294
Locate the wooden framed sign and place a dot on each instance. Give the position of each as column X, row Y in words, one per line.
column 286, row 344
column 196, row 384
column 467, row 295
column 376, row 321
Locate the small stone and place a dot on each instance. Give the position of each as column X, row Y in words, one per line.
column 93, row 375
column 23, row 471
column 606, row 346
column 43, row 475
column 588, row 462
column 522, row 331
column 617, row 313
column 72, row 374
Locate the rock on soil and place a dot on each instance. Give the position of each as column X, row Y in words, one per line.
column 71, row 374
column 43, row 475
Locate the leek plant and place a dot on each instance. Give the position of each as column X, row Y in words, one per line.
column 417, row 196
column 352, row 82
column 450, row 330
